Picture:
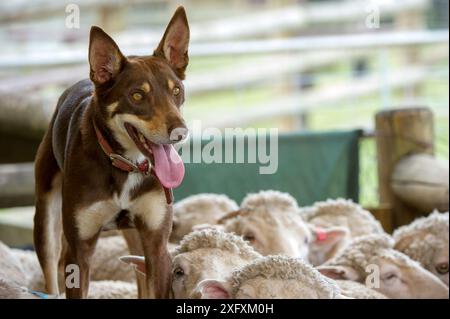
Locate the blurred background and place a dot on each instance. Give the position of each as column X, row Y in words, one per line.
column 315, row 65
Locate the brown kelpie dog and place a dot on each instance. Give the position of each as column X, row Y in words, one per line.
column 107, row 159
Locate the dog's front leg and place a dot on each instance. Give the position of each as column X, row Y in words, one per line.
column 134, row 243
column 157, row 261
column 77, row 262
column 81, row 240
column 154, row 224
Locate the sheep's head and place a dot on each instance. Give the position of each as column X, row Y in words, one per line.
column 426, row 240
column 326, row 243
column 345, row 213
column 272, row 277
column 270, row 222
column 199, row 209
column 372, row 260
column 207, row 253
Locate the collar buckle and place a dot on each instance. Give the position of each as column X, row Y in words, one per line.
column 125, row 160
column 144, row 169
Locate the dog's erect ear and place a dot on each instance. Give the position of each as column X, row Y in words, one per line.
column 105, row 58
column 175, row 42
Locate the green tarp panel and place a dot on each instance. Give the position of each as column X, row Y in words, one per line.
column 311, row 167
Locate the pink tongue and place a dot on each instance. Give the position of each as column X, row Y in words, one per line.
column 169, row 167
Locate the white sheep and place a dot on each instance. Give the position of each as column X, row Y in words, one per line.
column 10, row 266
column 112, row 289
column 356, row 290
column 207, row 253
column 12, row 276
column 345, row 213
column 105, row 263
column 269, row 220
column 339, row 213
column 199, row 209
column 373, row 260
column 34, row 279
column 15, row 269
column 10, row 289
column 426, row 240
column 272, row 277
column 97, row 290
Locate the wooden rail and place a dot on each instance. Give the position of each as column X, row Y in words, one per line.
column 298, row 103
column 14, row 11
column 29, row 115
column 249, row 24
column 299, row 44
column 258, row 70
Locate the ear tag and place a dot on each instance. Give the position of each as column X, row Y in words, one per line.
column 321, row 235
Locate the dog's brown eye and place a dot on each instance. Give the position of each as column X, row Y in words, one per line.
column 137, row 96
column 176, row 91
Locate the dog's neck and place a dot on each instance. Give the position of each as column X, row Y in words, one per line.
column 95, row 115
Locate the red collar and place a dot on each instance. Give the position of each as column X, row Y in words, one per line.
column 125, row 164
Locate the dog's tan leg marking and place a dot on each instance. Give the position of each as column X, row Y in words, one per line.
column 151, row 208
column 48, row 208
column 153, row 219
column 82, row 227
column 90, row 220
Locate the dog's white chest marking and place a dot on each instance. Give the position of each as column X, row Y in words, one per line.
column 133, row 181
column 151, row 207
column 92, row 218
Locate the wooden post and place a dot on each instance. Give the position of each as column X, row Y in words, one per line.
column 383, row 214
column 399, row 133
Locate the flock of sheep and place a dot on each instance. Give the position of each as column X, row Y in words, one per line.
column 268, row 247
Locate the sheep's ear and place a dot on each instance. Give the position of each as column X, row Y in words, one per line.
column 138, row 262
column 329, row 236
column 326, row 243
column 105, row 58
column 231, row 215
column 403, row 244
column 214, row 289
column 175, row 42
column 339, row 272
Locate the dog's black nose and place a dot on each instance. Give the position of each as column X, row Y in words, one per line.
column 178, row 134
